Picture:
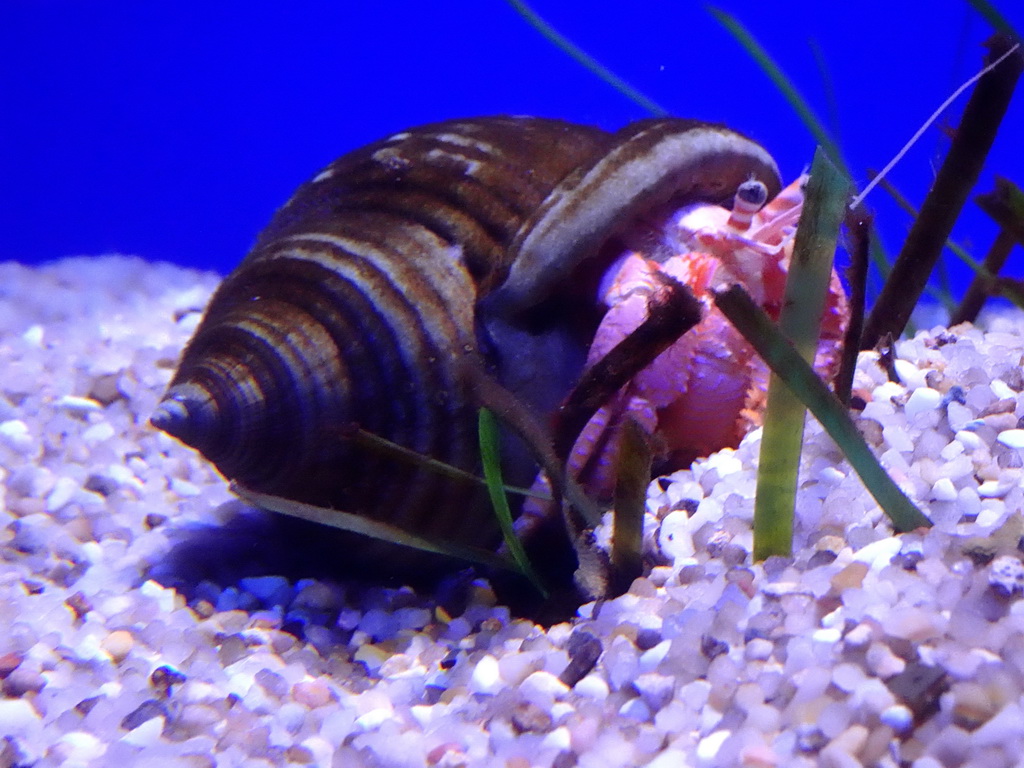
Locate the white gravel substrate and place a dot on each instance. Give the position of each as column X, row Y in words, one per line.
column 864, row 649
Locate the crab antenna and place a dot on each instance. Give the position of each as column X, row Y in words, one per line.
column 927, row 124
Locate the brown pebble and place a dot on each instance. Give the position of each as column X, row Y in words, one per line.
column 919, row 686
column 196, row 720
column 8, row 663
column 312, row 693
column 529, row 718
column 711, row 647
column 972, row 705
column 164, row 678
column 584, row 650
column 299, row 755
column 231, row 650
column 850, row 577
column 84, row 707
column 271, row 682
column 33, row 587
column 21, row 681
column 438, row 753
column 118, row 644
column 1006, row 405
column 204, row 609
column 154, row 520
column 145, row 712
column 643, row 588
column 104, row 389
column 79, row 604
column 871, row 431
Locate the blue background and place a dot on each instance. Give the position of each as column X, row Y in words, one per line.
column 173, row 130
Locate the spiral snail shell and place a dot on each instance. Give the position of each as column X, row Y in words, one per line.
column 473, row 243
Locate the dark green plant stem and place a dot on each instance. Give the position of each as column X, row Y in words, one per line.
column 1005, row 205
column 563, row 43
column 673, row 310
column 491, row 460
column 858, row 228
column 992, row 15
column 956, row 177
column 632, row 476
column 807, row 284
column 785, row 361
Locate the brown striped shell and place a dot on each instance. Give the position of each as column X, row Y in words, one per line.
column 472, row 243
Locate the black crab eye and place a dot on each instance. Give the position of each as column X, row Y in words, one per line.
column 753, row 194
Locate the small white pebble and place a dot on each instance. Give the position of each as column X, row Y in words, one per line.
column 63, row 490
column 486, row 676
column 20, row 719
column 76, row 404
column 652, row 657
column 994, row 489
column 707, row 748
column 184, row 487
column 831, row 475
column 374, row 719
column 163, row 596
column 593, row 687
column 559, row 740
column 953, row 449
column 921, row 400
column 909, row 373
column 944, row 490
column 1013, row 438
column 970, row 441
column 670, row 758
column 80, row 748
column 34, row 335
column 15, row 434
column 1001, row 390
column 98, row 433
column 897, row 717
column 542, row 688
column 147, row 734
column 879, row 554
column 758, row 649
column 887, row 390
column 636, row 709
column 674, row 538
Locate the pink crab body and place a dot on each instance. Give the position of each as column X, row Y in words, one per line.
column 708, row 389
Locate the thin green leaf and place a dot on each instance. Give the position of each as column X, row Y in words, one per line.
column 785, row 361
column 489, row 443
column 382, row 445
column 807, row 284
column 346, row 521
column 958, row 250
column 796, row 100
column 582, row 57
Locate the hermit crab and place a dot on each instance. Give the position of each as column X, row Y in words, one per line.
column 472, row 263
